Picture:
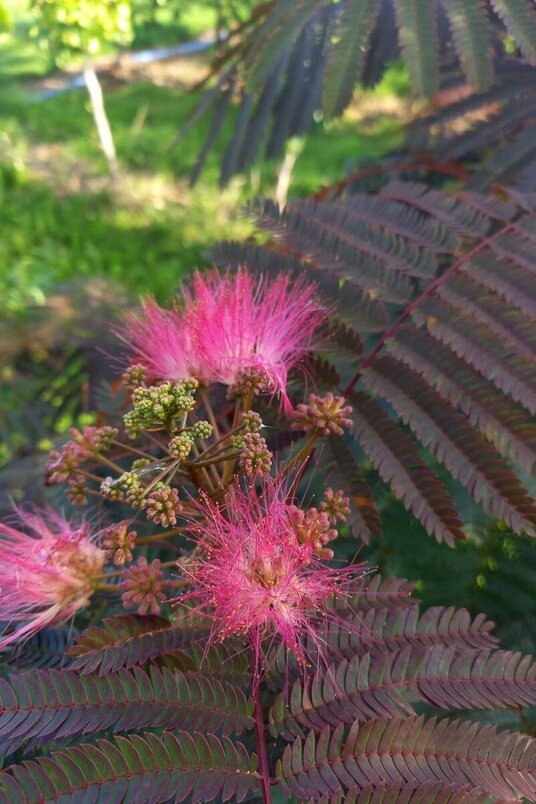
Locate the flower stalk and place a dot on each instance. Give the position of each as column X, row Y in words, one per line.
column 260, row 731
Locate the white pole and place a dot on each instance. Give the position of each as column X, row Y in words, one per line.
column 100, row 117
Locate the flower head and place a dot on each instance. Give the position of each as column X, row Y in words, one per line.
column 229, row 326
column 63, row 465
column 255, row 457
column 327, row 415
column 48, row 571
column 118, row 542
column 142, row 586
column 163, row 505
column 336, row 506
column 252, row 572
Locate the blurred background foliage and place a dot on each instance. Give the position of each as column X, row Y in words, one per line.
column 78, row 248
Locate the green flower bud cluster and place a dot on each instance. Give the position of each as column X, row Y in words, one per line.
column 135, row 375
column 159, row 405
column 133, row 488
column 181, row 445
column 202, row 429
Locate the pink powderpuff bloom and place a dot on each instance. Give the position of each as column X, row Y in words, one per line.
column 227, row 326
column 253, row 577
column 48, row 571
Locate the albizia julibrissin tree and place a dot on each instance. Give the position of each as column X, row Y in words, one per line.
column 252, row 658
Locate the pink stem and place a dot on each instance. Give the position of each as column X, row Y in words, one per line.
column 260, row 736
column 430, row 290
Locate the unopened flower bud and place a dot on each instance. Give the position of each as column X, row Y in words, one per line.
column 327, row 415
column 118, row 542
column 312, row 530
column 180, row 446
column 336, row 506
column 202, row 429
column 110, row 488
column 63, row 465
column 77, row 491
column 255, row 458
column 252, row 421
column 135, row 376
column 94, row 439
column 163, row 505
column 142, row 586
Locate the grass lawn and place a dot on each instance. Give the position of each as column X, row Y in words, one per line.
column 148, row 240
column 61, row 219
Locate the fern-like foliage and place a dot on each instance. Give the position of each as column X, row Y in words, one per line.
column 350, row 720
column 392, row 681
column 492, row 131
column 127, row 640
column 174, row 767
column 458, row 272
column 52, row 705
column 293, row 57
column 406, row 751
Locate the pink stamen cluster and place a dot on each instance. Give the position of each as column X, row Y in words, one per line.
column 142, row 586
column 48, row 571
column 327, row 415
column 227, row 326
column 252, row 573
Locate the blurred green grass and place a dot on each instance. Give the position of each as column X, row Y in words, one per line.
column 59, row 219
column 50, row 236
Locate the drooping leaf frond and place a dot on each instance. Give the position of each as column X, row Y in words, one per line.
column 43, row 706
column 492, row 131
column 460, row 373
column 398, row 461
column 411, row 751
column 180, row 766
column 128, row 640
column 447, row 434
column 46, row 649
column 344, row 473
column 378, row 630
column 294, row 58
column 409, row 793
column 390, row 682
column 417, row 29
column 471, row 37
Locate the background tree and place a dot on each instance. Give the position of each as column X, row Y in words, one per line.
column 86, row 28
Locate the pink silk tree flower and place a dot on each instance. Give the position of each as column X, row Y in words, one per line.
column 253, row 577
column 161, row 341
column 48, row 571
column 229, row 326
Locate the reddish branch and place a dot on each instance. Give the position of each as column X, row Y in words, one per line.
column 430, row 290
